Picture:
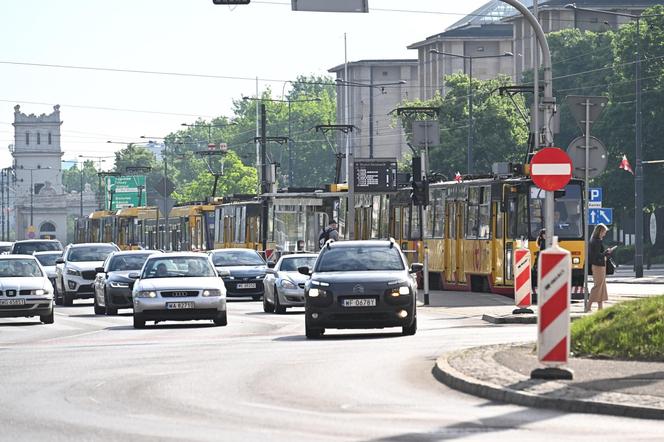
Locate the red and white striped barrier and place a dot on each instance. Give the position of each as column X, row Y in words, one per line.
column 554, row 275
column 522, row 282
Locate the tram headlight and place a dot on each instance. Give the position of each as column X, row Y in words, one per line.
column 576, row 260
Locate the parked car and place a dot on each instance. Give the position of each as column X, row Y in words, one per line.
column 76, row 270
column 360, row 284
column 246, row 271
column 47, row 261
column 113, row 285
column 178, row 286
column 5, row 247
column 284, row 285
column 25, row 291
column 30, row 246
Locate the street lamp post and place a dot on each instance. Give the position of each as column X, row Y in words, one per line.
column 638, row 172
column 32, row 191
column 470, row 58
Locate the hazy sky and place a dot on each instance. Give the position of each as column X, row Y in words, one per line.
column 46, row 42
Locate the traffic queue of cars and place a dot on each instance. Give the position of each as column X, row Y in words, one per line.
column 349, row 284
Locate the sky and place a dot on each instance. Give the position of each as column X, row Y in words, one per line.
column 123, row 69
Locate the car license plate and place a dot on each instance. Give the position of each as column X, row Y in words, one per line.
column 248, row 285
column 18, row 301
column 179, row 305
column 359, row 302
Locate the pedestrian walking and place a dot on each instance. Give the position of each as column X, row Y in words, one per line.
column 327, row 233
column 597, row 259
column 541, row 245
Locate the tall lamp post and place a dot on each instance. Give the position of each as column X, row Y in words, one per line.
column 32, row 191
column 638, row 172
column 470, row 58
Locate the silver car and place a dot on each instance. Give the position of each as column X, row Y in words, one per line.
column 284, row 285
column 178, row 286
column 25, row 290
column 47, row 260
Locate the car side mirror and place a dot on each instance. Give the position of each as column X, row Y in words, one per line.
column 99, row 269
column 271, row 271
column 305, row 270
column 60, row 261
column 223, row 272
column 271, row 264
column 416, row 267
column 134, row 275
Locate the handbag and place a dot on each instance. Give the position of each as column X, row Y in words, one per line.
column 610, row 265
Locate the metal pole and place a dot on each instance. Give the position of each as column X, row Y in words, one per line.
column 638, row 175
column 264, row 183
column 166, row 242
column 350, row 179
column 81, row 192
column 469, row 153
column 2, row 204
column 585, row 208
column 290, row 147
column 535, row 115
column 423, row 178
column 32, row 192
column 371, row 112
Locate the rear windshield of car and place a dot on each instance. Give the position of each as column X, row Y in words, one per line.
column 127, row 262
column 5, row 248
column 291, row 264
column 19, row 268
column 359, row 259
column 92, row 253
column 178, row 267
column 28, row 248
column 49, row 259
column 237, row 258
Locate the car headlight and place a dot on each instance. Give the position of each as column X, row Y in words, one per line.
column 398, row 291
column 313, row 293
column 285, row 283
column 229, row 277
column 320, row 283
column 119, row 285
column 211, row 292
column 146, row 294
column 40, row 292
column 73, row 272
column 260, row 277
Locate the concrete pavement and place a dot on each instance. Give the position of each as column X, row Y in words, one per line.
column 502, row 372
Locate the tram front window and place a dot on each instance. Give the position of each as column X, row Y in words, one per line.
column 568, row 210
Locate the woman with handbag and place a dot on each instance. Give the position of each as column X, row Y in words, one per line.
column 597, row 259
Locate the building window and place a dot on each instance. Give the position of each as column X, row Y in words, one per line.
column 47, row 230
column 27, row 138
column 38, row 138
column 49, row 138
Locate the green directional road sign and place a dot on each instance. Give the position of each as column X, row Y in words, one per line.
column 126, row 190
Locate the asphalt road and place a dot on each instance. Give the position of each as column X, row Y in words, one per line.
column 96, row 378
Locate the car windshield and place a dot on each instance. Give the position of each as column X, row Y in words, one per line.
column 237, row 258
column 19, row 268
column 127, row 262
column 5, row 248
column 48, row 259
column 291, row 264
column 178, row 267
column 28, row 248
column 359, row 259
column 92, row 253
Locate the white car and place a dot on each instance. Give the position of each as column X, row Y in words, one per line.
column 76, row 270
column 178, row 286
column 47, row 260
column 25, row 291
column 284, row 285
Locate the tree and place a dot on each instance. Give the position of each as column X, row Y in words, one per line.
column 71, row 178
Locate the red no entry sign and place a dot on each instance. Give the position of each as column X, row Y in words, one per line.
column 551, row 169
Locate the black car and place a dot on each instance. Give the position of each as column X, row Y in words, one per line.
column 246, row 271
column 113, row 285
column 30, row 246
column 360, row 284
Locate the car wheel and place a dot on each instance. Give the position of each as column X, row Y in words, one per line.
column 267, row 307
column 221, row 318
column 98, row 309
column 312, row 332
column 139, row 320
column 411, row 329
column 47, row 319
column 67, row 299
column 278, row 308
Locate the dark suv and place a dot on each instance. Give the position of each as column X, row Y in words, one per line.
column 360, row 284
column 29, row 246
column 244, row 272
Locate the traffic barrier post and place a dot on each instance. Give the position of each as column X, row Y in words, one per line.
column 522, row 282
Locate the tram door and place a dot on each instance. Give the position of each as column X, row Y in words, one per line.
column 498, row 255
column 450, row 242
column 460, row 243
column 516, row 228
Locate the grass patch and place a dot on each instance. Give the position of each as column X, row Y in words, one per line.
column 632, row 330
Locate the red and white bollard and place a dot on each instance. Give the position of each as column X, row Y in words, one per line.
column 522, row 284
column 554, row 274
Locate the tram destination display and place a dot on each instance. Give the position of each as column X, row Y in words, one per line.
column 375, row 175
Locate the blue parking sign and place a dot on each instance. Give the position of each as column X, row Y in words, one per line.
column 595, row 195
column 602, row 215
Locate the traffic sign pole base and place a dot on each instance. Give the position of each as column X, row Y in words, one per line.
column 521, row 311
column 426, row 299
column 552, row 373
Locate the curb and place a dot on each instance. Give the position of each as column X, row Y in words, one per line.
column 520, row 319
column 453, row 378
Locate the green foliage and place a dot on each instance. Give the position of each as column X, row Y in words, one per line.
column 71, row 178
column 631, row 330
column 499, row 132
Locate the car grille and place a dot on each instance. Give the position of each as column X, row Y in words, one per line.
column 179, row 293
column 360, row 316
column 88, row 274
